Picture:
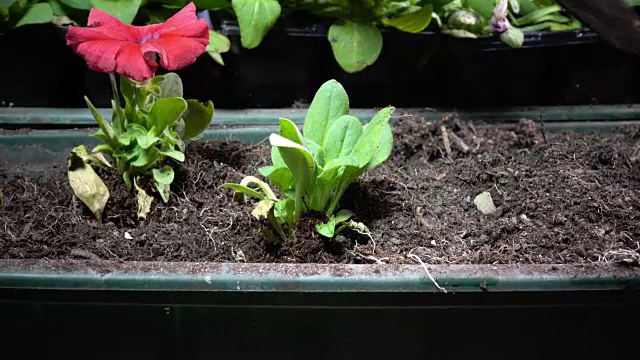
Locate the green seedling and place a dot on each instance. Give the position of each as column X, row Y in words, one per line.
column 153, row 126
column 314, row 169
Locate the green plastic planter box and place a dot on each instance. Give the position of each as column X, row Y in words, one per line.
column 135, row 310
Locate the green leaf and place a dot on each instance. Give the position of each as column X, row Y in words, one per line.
column 57, row 8
column 328, row 104
column 538, row 15
column 78, row 4
column 289, row 130
column 171, row 86
column 166, row 112
column 300, row 161
column 515, row 6
column 342, row 137
column 146, row 157
column 483, row 7
column 164, row 175
column 6, row 3
column 37, row 14
column 355, row 46
column 327, row 229
column 513, row 37
column 123, row 10
column 218, row 44
column 196, row 118
column 111, row 137
column 317, row 151
column 255, row 17
column 86, row 184
column 146, row 140
column 343, row 215
column 369, row 142
column 286, row 209
column 144, row 201
column 384, row 148
column 281, row 177
column 413, row 22
column 244, row 190
column 174, row 154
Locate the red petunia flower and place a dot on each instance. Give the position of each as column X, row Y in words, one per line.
column 108, row 45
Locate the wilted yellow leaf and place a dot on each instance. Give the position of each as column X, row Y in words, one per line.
column 86, row 184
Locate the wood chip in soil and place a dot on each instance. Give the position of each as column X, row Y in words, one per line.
column 567, row 197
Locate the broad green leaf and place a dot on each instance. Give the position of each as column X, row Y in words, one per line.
column 286, row 209
column 164, row 175
column 327, row 229
column 276, row 158
column 106, row 128
column 255, row 18
column 37, row 14
column 330, row 170
column 57, row 8
column 300, row 161
column 218, row 44
column 244, row 190
column 317, row 151
column 78, row 4
column 342, row 137
column 174, row 154
column 355, row 46
column 171, row 86
column 164, row 190
column 413, row 22
column 369, row 141
column 165, row 112
column 537, row 16
column 280, row 176
column 146, row 140
column 515, row 6
column 328, row 104
column 289, row 130
column 6, row 3
column 123, row 10
column 146, row 157
column 384, row 149
column 86, row 184
column 196, row 118
column 144, row 201
column 463, row 34
column 343, row 215
column 483, row 7
column 128, row 91
column 513, row 37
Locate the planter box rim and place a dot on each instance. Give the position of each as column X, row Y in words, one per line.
column 73, row 117
column 269, row 277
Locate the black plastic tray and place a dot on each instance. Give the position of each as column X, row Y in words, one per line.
column 414, row 70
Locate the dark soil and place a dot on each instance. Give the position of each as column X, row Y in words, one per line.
column 561, row 198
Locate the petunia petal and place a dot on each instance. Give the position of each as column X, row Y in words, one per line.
column 176, row 52
column 132, row 64
column 183, row 17
column 100, row 55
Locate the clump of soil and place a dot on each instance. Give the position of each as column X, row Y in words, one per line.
column 564, row 197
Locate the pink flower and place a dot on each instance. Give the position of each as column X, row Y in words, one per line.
column 108, row 45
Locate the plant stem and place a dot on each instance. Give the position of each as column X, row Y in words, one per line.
column 336, row 199
column 116, row 96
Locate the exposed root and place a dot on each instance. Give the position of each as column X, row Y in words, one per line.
column 424, row 266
